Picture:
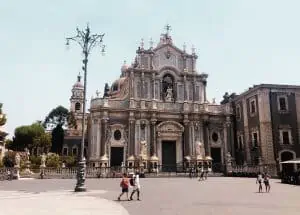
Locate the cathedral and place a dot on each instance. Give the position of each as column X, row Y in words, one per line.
column 157, row 114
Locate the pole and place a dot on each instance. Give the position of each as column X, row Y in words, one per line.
column 86, row 42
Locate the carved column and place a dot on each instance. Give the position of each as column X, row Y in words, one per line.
column 192, row 138
column 143, row 86
column 206, row 138
column 153, row 85
column 153, row 146
column 204, row 91
column 103, row 135
column 161, row 90
column 186, row 138
column 185, row 89
column 131, row 88
column 131, row 147
column 194, row 88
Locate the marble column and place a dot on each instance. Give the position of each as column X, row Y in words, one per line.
column 103, row 135
column 131, row 146
column 131, row 88
column 225, row 140
column 186, row 138
column 206, row 139
column 185, row 89
column 153, row 146
column 204, row 91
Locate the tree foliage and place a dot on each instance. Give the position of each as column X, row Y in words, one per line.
column 24, row 136
column 43, row 141
column 57, row 120
column 2, row 116
column 59, row 116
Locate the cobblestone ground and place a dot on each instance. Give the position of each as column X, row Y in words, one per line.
column 184, row 196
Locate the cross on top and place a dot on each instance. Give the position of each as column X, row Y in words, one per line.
column 168, row 28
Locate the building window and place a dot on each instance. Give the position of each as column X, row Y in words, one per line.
column 65, row 151
column 215, row 137
column 252, row 107
column 77, row 106
column 117, row 135
column 238, row 112
column 285, row 137
column 282, row 103
column 74, row 151
column 254, row 139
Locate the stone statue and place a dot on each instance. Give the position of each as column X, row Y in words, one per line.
column 169, row 94
column 228, row 157
column 43, row 160
column 200, row 149
column 27, row 154
column 143, row 148
column 17, row 160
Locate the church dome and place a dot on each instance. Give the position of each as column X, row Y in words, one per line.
column 117, row 85
column 78, row 84
column 124, row 67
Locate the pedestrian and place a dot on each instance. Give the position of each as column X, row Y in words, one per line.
column 201, row 175
column 267, row 182
column 136, row 186
column 206, row 174
column 259, row 181
column 124, row 185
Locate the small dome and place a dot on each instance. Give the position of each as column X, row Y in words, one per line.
column 78, row 84
column 124, row 67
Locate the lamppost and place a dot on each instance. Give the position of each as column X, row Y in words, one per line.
column 87, row 42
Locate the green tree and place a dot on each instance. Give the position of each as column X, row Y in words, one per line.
column 43, row 141
column 58, row 120
column 24, row 136
column 2, row 116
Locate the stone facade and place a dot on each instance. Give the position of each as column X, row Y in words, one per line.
column 267, row 120
column 158, row 111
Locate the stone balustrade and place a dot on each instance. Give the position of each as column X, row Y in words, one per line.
column 163, row 106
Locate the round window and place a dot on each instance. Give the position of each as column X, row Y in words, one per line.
column 215, row 137
column 117, row 134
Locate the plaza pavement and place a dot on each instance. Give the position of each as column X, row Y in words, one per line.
column 217, row 195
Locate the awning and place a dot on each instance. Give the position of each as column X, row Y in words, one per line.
column 296, row 160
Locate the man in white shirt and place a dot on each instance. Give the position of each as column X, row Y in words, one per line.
column 136, row 187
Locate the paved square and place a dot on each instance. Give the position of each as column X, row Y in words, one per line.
column 159, row 196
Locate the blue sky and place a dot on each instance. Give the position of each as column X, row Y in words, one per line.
column 239, row 43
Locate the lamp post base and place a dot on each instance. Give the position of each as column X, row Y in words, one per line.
column 80, row 186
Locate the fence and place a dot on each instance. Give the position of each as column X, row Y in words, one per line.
column 252, row 170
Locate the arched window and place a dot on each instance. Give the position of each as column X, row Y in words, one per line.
column 285, row 156
column 77, row 106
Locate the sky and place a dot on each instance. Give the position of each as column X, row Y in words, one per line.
column 239, row 43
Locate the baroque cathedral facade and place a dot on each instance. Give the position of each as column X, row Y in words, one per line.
column 158, row 113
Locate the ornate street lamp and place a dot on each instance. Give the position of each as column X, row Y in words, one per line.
column 87, row 42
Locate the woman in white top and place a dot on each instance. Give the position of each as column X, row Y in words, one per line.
column 136, row 186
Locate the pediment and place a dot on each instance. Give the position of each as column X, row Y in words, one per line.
column 170, row 126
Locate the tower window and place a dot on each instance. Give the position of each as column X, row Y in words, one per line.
column 77, row 106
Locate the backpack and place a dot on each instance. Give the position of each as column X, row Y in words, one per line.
column 131, row 181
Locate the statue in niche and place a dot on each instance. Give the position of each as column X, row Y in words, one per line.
column 167, row 88
column 143, row 148
column 200, row 151
column 169, row 95
column 228, row 157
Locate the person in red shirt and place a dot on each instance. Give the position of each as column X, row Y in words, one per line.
column 124, row 185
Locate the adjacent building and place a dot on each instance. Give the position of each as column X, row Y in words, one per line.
column 2, row 133
column 267, row 123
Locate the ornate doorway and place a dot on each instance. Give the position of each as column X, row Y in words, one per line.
column 217, row 159
column 169, row 144
column 116, row 156
column 168, row 156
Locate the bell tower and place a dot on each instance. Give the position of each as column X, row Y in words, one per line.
column 76, row 99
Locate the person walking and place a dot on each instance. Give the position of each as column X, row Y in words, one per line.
column 267, row 182
column 136, row 186
column 201, row 175
column 124, row 185
column 259, row 181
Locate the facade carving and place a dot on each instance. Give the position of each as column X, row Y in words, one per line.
column 148, row 106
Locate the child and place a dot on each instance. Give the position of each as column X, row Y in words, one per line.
column 124, row 185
